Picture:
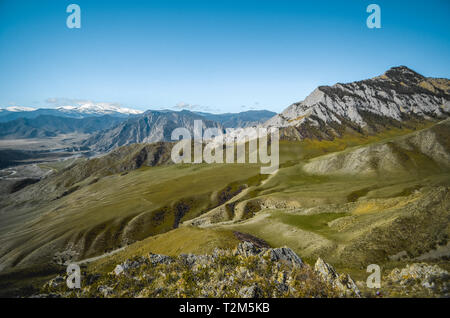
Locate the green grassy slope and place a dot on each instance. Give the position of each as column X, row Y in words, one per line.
column 355, row 219
column 94, row 207
column 119, row 209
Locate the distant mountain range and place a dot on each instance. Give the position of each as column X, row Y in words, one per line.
column 112, row 127
column 80, row 111
column 44, row 126
column 395, row 99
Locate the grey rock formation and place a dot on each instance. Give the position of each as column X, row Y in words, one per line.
column 343, row 283
column 397, row 96
column 247, row 249
column 156, row 259
column 285, row 254
column 130, row 264
column 152, row 126
column 240, row 120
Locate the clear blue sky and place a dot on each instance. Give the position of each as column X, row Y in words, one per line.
column 220, row 55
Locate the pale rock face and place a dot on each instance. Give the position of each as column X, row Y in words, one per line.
column 152, row 126
column 344, row 283
column 397, row 94
column 118, row 269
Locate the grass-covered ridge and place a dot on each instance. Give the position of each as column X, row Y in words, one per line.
column 135, row 195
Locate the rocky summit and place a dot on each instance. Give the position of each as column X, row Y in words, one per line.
column 398, row 98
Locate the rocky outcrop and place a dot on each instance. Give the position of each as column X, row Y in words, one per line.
column 342, row 282
column 421, row 276
column 285, row 254
column 247, row 249
column 247, row 271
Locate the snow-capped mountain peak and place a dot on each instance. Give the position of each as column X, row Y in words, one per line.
column 99, row 109
column 19, row 109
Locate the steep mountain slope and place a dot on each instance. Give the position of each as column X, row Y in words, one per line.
column 103, row 203
column 50, row 126
column 426, row 150
column 151, row 126
column 398, row 98
column 240, row 120
column 120, row 160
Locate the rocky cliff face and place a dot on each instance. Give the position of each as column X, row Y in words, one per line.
column 395, row 99
column 152, row 126
column 240, row 120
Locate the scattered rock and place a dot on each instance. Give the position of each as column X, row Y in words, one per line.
column 66, row 257
column 418, row 271
column 130, row 264
column 188, row 259
column 119, row 269
column 156, row 259
column 56, row 282
column 422, row 275
column 105, row 290
column 250, row 292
